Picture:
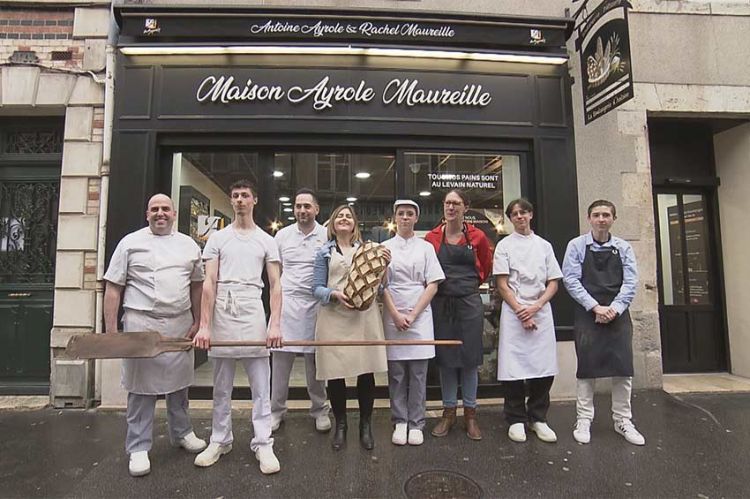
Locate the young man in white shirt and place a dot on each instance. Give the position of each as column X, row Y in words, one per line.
column 233, row 310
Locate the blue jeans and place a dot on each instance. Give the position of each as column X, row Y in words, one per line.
column 449, row 385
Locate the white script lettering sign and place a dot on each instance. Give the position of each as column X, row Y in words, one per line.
column 325, row 95
column 366, row 29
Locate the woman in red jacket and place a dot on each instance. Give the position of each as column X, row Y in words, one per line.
column 464, row 253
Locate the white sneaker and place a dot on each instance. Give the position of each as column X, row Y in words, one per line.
column 212, row 454
column 416, row 437
column 399, row 434
column 517, row 432
column 582, row 431
column 269, row 464
column 191, row 443
column 625, row 428
column 139, row 464
column 275, row 423
column 544, row 432
column 323, row 423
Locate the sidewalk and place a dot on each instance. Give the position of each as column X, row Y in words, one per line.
column 696, row 446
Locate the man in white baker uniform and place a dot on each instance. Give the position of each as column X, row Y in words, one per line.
column 157, row 274
column 232, row 310
column 298, row 243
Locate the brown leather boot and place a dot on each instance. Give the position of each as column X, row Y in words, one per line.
column 446, row 422
column 470, row 420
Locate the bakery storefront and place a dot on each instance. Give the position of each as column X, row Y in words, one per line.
column 362, row 106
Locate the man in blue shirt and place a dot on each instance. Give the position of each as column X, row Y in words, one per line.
column 599, row 272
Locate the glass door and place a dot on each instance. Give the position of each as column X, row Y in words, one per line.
column 690, row 310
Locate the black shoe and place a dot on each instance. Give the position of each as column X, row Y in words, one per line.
column 365, row 434
column 339, row 435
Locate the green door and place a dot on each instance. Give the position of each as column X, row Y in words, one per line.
column 29, row 200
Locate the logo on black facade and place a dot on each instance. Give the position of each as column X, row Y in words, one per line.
column 537, row 38
column 151, row 26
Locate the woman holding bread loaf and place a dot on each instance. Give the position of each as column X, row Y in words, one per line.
column 339, row 320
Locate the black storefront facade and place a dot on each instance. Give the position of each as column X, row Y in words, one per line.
column 362, row 106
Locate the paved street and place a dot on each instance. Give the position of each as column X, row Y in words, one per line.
column 697, row 446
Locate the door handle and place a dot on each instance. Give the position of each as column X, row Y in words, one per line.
column 19, row 295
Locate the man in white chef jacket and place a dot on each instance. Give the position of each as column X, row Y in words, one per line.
column 232, row 310
column 527, row 276
column 298, row 243
column 158, row 275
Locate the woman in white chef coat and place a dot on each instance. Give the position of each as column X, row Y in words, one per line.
column 527, row 275
column 337, row 320
column 412, row 281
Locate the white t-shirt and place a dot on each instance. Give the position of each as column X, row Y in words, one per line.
column 242, row 257
column 156, row 271
column 297, row 252
column 529, row 262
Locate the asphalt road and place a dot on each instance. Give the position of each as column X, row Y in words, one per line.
column 696, row 446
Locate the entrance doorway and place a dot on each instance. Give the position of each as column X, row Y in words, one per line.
column 690, row 308
column 29, row 197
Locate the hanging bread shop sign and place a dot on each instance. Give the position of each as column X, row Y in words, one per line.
column 604, row 45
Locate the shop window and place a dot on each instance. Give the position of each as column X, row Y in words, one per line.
column 490, row 181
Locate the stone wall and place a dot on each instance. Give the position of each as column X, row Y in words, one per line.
column 66, row 79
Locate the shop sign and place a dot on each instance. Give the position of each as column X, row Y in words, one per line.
column 378, row 28
column 604, row 46
column 325, row 95
column 367, row 29
column 464, row 181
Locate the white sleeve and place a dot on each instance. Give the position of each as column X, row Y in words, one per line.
column 197, row 274
column 117, row 272
column 553, row 268
column 272, row 250
column 211, row 249
column 433, row 272
column 501, row 260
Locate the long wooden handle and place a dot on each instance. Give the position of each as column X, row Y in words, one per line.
column 350, row 343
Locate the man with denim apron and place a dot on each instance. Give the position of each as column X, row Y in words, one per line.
column 158, row 275
column 599, row 272
column 232, row 310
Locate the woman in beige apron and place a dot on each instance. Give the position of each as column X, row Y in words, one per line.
column 337, row 320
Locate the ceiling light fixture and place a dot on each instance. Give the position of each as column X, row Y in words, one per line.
column 362, row 175
column 277, row 173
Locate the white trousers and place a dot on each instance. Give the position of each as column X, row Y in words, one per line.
column 281, row 368
column 259, row 376
column 140, row 418
column 621, row 391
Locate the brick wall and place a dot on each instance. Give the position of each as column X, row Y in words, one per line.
column 47, row 32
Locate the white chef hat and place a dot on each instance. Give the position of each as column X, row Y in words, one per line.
column 409, row 202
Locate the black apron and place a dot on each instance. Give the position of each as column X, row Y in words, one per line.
column 603, row 350
column 457, row 307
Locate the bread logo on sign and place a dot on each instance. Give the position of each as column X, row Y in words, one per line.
column 368, row 266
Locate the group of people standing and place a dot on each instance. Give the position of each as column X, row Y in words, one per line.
column 430, row 290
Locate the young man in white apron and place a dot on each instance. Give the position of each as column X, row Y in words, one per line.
column 158, row 275
column 527, row 276
column 232, row 310
column 600, row 274
column 298, row 243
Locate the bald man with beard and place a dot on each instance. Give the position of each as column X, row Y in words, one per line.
column 157, row 275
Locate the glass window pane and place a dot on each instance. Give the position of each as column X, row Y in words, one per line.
column 490, row 180
column 696, row 238
column 670, row 240
column 366, row 181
